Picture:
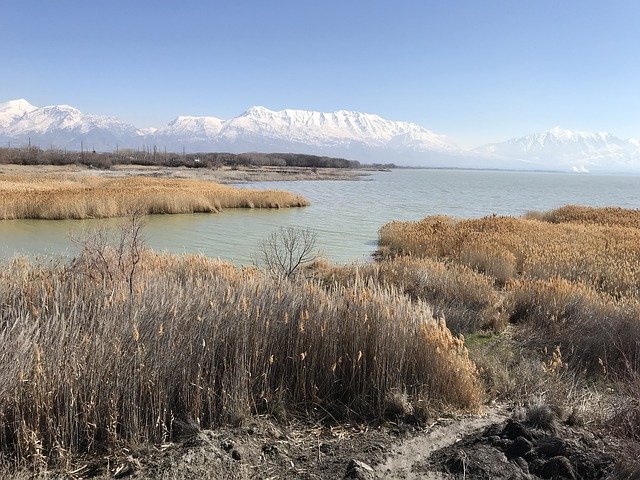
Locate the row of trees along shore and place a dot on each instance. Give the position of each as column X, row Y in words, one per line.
column 154, row 157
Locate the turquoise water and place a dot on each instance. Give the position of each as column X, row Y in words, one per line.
column 346, row 214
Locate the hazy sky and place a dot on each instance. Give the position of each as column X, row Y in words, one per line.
column 478, row 71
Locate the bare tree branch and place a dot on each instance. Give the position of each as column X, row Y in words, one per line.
column 287, row 249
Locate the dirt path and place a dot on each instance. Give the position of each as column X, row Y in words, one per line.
column 399, row 465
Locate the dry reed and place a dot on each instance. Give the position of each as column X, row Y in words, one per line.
column 570, row 280
column 76, row 197
column 622, row 217
column 89, row 363
column 605, row 257
column 467, row 299
column 592, row 329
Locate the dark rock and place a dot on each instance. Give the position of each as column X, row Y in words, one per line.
column 531, row 455
column 592, row 464
column 552, row 447
column 359, row 470
column 514, row 429
column 558, row 467
column 501, row 443
column 522, row 464
column 483, row 461
column 456, row 463
column 492, row 430
column 235, row 454
column 519, row 448
column 185, row 429
column 536, row 465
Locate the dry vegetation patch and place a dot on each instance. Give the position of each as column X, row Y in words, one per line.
column 622, row 217
column 569, row 278
column 605, row 257
column 76, row 196
column 465, row 298
column 89, row 361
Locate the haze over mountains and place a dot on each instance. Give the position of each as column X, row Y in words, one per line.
column 353, row 135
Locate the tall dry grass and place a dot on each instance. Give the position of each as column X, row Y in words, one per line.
column 76, row 196
column 570, row 278
column 505, row 248
column 592, row 329
column 465, row 298
column 622, row 217
column 89, row 361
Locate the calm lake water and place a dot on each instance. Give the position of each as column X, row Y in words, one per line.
column 346, row 214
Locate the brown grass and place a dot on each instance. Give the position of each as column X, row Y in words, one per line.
column 605, row 257
column 465, row 298
column 571, row 281
column 611, row 216
column 76, row 196
column 87, row 363
column 593, row 329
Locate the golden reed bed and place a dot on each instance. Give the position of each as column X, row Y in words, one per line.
column 57, row 197
column 569, row 278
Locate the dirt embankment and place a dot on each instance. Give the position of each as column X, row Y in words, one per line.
column 494, row 445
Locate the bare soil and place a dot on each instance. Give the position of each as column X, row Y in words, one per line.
column 492, row 445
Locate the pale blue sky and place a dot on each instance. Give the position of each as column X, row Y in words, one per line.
column 478, row 71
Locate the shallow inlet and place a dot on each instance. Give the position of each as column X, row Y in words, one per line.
column 346, row 214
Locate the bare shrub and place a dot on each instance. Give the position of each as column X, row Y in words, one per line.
column 288, row 250
column 542, row 415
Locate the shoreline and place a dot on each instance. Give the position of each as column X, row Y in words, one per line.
column 223, row 175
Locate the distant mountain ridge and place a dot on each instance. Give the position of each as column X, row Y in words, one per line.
column 354, row 135
column 569, row 150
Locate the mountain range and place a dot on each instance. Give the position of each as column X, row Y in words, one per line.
column 359, row 136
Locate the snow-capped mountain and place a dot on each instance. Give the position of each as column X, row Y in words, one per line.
column 63, row 126
column 343, row 133
column 13, row 110
column 353, row 135
column 568, row 150
column 194, row 133
column 359, row 136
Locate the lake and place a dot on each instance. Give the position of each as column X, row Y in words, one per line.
column 346, row 214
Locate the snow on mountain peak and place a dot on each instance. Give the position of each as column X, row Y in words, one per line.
column 343, row 133
column 13, row 109
column 18, row 104
column 568, row 150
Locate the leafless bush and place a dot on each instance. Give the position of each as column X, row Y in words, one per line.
column 287, row 250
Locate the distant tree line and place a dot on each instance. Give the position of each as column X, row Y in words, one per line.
column 39, row 156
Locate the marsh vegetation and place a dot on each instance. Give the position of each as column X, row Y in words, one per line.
column 69, row 196
column 124, row 346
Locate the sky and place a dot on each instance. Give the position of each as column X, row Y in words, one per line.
column 476, row 71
